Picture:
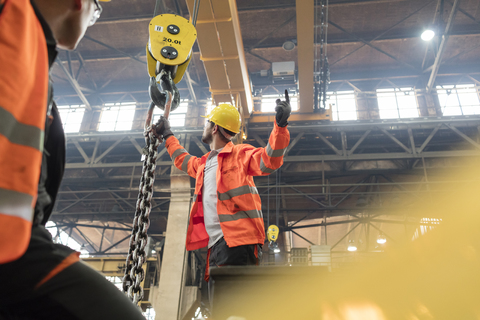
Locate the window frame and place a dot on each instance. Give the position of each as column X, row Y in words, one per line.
column 118, row 106
column 65, row 120
column 454, row 89
column 398, row 107
column 335, row 106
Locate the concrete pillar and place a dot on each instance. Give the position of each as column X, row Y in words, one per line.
column 168, row 296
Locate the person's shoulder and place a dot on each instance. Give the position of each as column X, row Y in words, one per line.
column 242, row 146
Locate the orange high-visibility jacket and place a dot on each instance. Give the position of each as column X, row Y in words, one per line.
column 23, row 107
column 239, row 207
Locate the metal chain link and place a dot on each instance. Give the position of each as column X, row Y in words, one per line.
column 134, row 273
column 324, row 67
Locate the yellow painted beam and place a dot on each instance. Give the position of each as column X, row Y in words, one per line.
column 270, row 117
column 305, row 20
column 222, row 52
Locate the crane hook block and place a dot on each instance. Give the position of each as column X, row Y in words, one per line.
column 272, row 233
column 170, row 42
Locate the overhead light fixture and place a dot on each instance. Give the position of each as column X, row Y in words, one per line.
column 381, row 239
column 351, row 246
column 288, row 45
column 361, row 201
column 427, row 35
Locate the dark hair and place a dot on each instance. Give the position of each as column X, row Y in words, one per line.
column 230, row 133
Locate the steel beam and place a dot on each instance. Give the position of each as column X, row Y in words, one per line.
column 328, row 143
column 374, row 47
column 464, row 136
column 351, row 151
column 75, row 85
column 441, row 49
column 305, row 10
column 294, row 142
column 430, row 136
column 388, row 134
column 115, row 49
column 384, row 32
column 199, row 144
column 97, row 160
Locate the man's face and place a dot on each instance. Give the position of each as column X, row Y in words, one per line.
column 77, row 24
column 207, row 136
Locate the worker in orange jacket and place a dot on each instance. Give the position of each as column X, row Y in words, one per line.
column 226, row 215
column 40, row 279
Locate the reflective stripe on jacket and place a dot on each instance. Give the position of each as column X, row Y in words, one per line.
column 239, row 206
column 23, row 105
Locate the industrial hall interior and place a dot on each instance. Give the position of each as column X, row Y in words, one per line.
column 273, row 159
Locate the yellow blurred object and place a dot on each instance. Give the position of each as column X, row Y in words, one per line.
column 435, row 276
column 226, row 116
column 272, row 233
column 170, row 43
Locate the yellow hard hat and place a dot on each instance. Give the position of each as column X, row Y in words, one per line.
column 226, row 116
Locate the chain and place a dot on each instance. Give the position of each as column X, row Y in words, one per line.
column 134, row 273
column 325, row 70
column 166, row 100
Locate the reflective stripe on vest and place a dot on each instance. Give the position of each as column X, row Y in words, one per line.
column 264, row 168
column 275, row 153
column 16, row 204
column 177, row 153
column 185, row 163
column 19, row 133
column 250, row 214
column 236, row 192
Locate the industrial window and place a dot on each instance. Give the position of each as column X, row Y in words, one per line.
column 176, row 117
column 458, row 100
column 71, row 117
column 397, row 103
column 117, row 116
column 343, row 105
column 428, row 224
column 269, row 102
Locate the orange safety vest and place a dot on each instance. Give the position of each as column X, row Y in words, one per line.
column 239, row 207
column 23, row 108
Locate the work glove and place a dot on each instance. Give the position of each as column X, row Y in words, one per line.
column 163, row 128
column 283, row 111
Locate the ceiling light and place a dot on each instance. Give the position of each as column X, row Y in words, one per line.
column 427, row 35
column 351, row 246
column 361, row 201
column 288, row 45
column 381, row 239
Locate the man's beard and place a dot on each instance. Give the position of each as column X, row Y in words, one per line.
column 207, row 138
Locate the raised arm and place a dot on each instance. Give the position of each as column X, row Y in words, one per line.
column 263, row 161
column 180, row 157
